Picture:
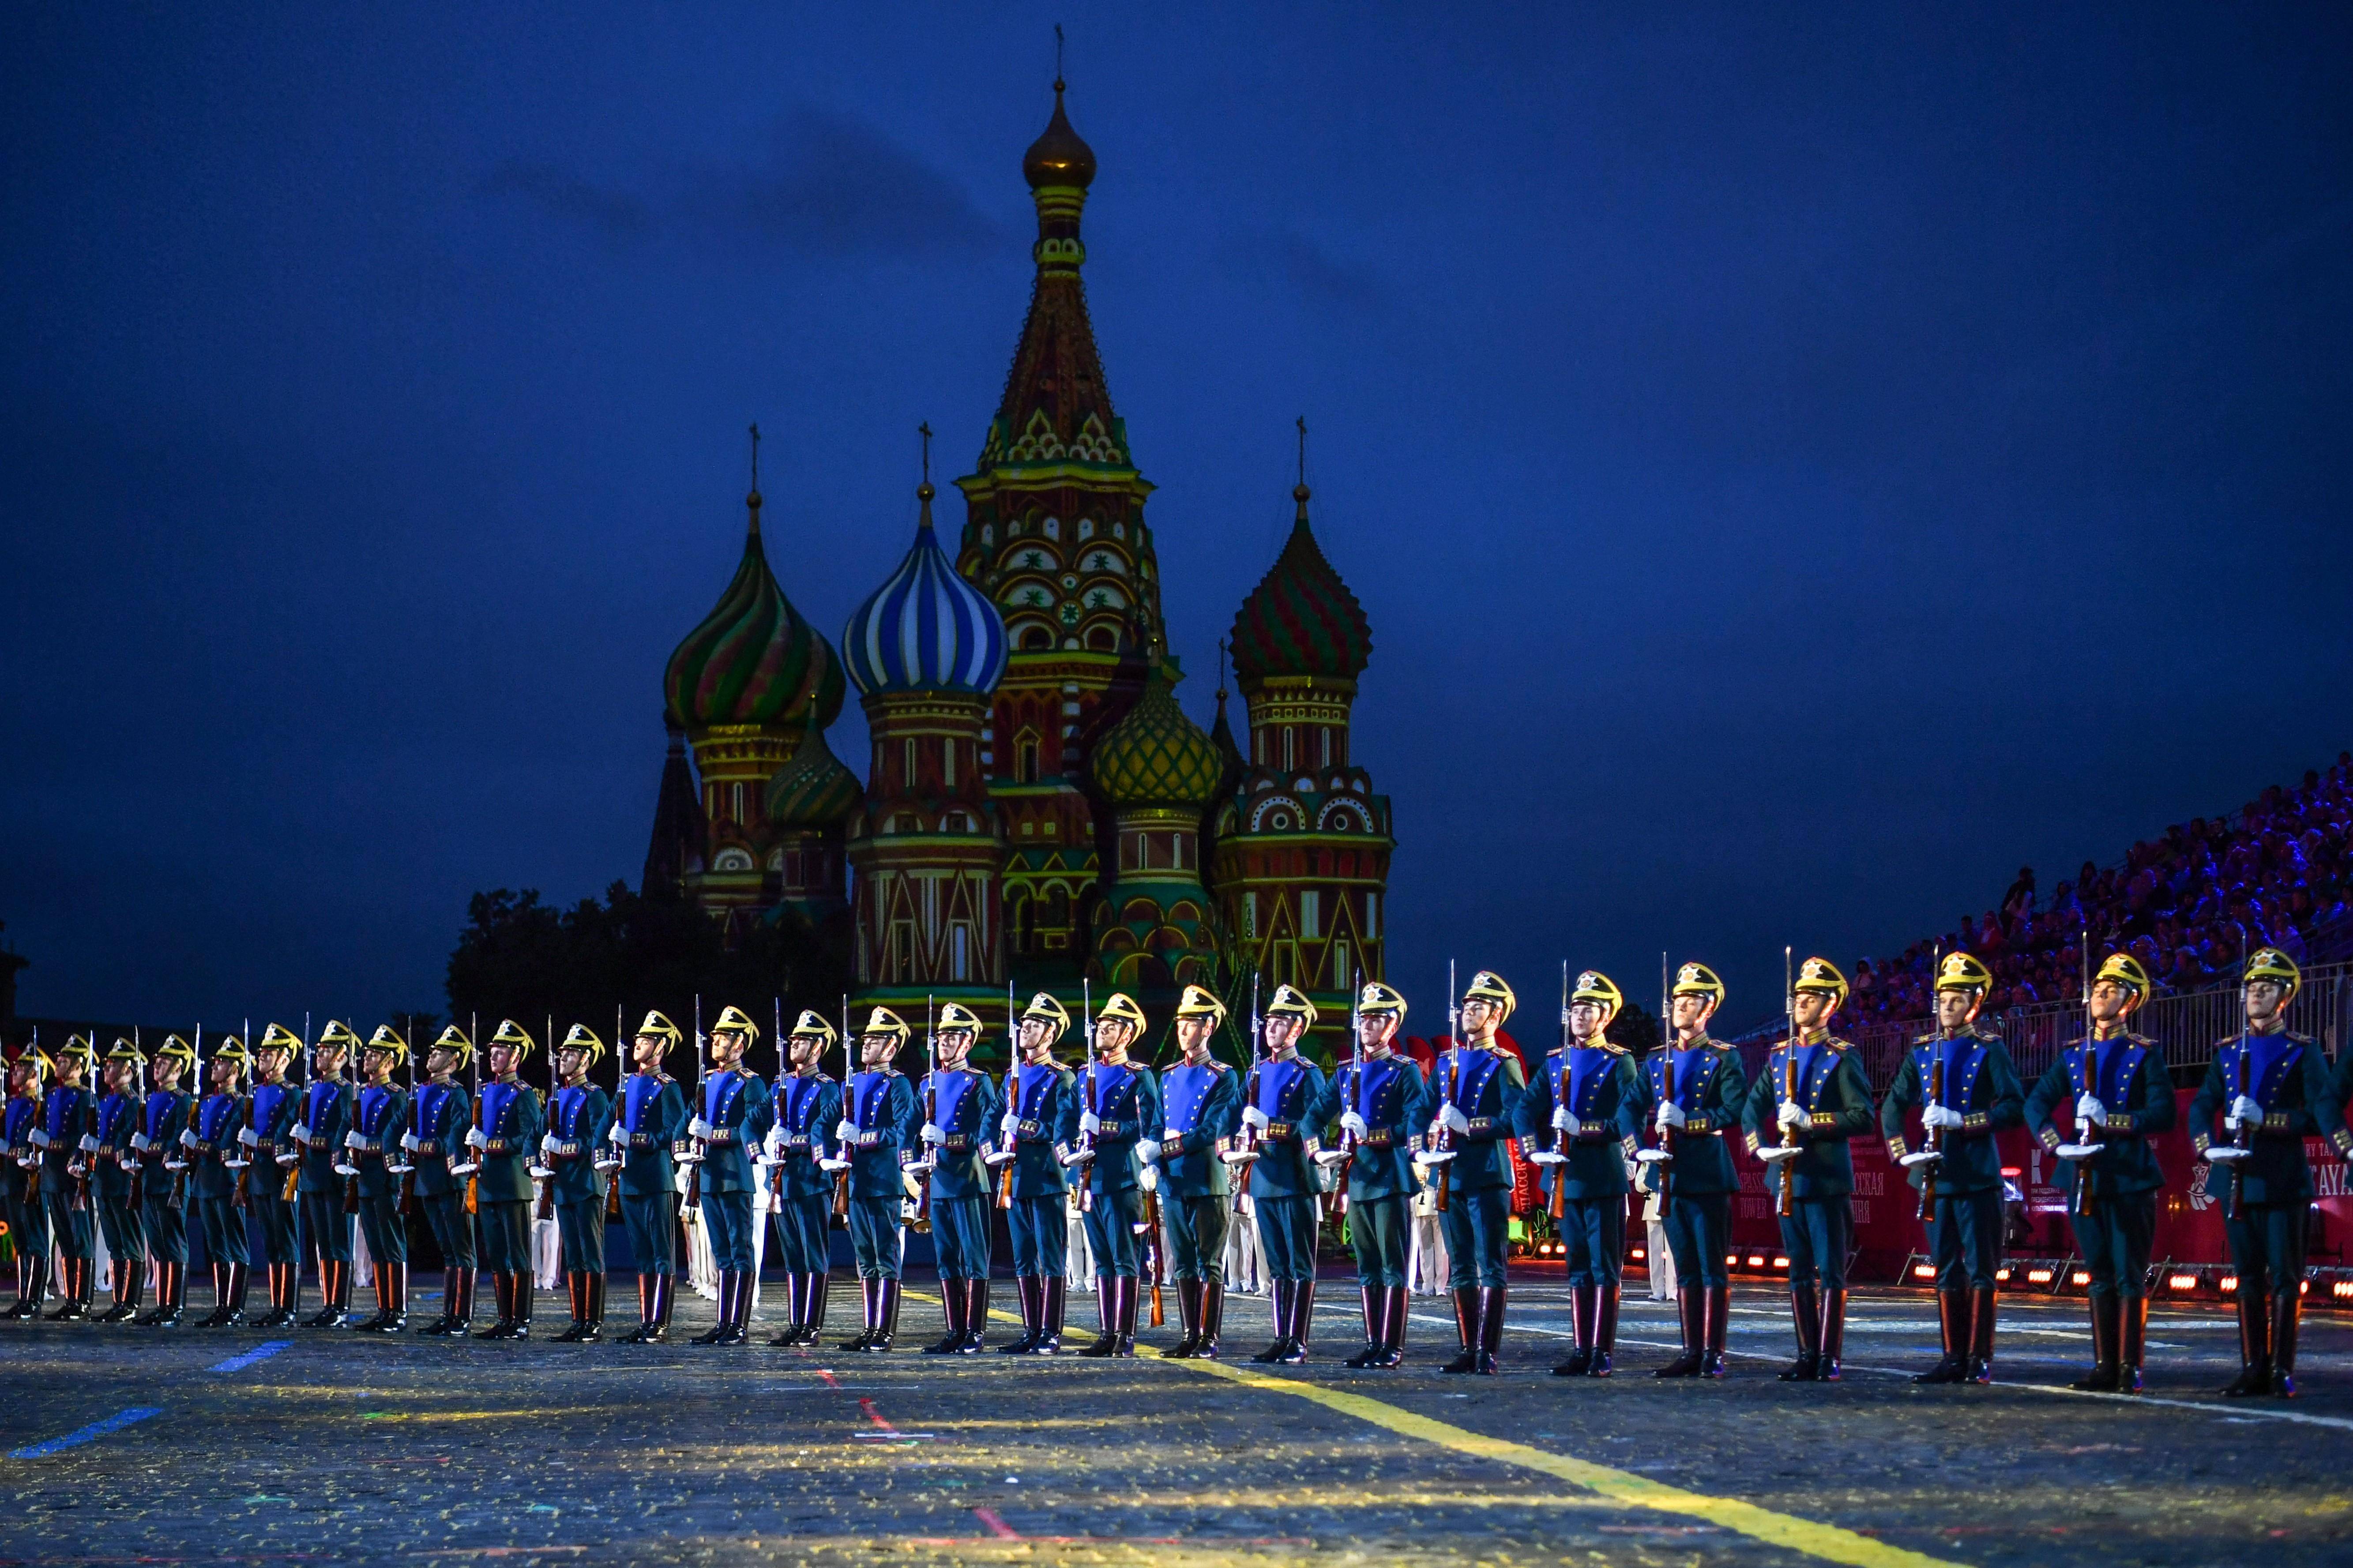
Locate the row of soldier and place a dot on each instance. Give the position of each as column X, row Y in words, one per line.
column 1156, row 1160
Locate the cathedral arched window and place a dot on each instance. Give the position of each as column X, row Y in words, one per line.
column 1290, row 748
column 1086, row 527
column 1053, row 526
column 1025, row 757
column 1036, row 639
column 1103, row 640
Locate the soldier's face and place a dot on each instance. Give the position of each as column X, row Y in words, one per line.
column 2265, row 999
column 1954, row 1009
column 2109, row 1001
column 1479, row 1015
column 1374, row 1031
column 1585, row 1020
column 1112, row 1036
column 878, row 1050
column 377, row 1064
column 20, row 1077
column 117, row 1075
column 648, row 1050
column 224, row 1076
column 955, row 1045
column 1036, row 1038
column 727, row 1050
column 1192, row 1035
column 1282, row 1032
column 806, row 1049
column 441, row 1063
column 1690, row 1013
column 271, row 1063
column 329, row 1059
column 1813, row 1008
column 503, row 1060
column 571, row 1063
column 167, row 1072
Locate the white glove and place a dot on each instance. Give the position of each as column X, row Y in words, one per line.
column 289, row 1161
column 775, row 1143
column 408, row 1143
column 1919, row 1157
column 1254, row 1118
column 1455, row 1120
column 698, row 1128
column 833, row 1164
column 1792, row 1114
column 1940, row 1116
column 1670, row 1114
column 1007, row 1125
column 1088, row 1122
column 999, row 1157
column 1146, row 1151
column 547, row 1142
column 1433, row 1157
column 617, row 1135
column 2090, row 1111
column 1562, row 1120
column 474, row 1139
column 2079, row 1151
column 188, row 1139
column 88, row 1144
column 1236, row 1156
column 1076, row 1156
column 1353, row 1124
column 1652, row 1156
column 1772, row 1153
column 845, row 1131
column 1329, row 1158
column 1148, row 1178
column 932, row 1134
column 139, row 1141
column 245, row 1135
column 2244, row 1111
column 2225, row 1153
column 1547, row 1157
column 302, row 1134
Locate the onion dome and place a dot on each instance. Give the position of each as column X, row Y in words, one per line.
column 1302, row 619
column 926, row 628
column 1156, row 756
column 754, row 660
column 813, row 790
column 1058, row 157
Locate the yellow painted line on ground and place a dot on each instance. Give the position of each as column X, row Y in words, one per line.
column 1812, row 1537
column 1827, row 1542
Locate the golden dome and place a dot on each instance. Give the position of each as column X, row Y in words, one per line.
column 1058, row 157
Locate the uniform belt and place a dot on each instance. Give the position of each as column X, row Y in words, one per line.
column 1281, row 1129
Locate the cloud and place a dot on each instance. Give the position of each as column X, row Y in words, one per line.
column 831, row 186
column 1316, row 272
column 617, row 216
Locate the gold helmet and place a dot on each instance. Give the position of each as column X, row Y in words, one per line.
column 735, row 1020
column 78, row 1048
column 386, row 1042
column 279, row 1037
column 810, row 1026
column 37, row 1060
column 1699, row 980
column 1289, row 1002
column 1597, row 987
column 458, row 1043
column 581, row 1038
column 515, row 1038
column 883, row 1021
column 1199, row 1002
column 231, row 1050
column 1120, row 1007
column 1822, row 976
column 1046, row 1010
column 2271, row 963
column 1963, row 971
column 657, row 1027
column 1378, row 999
column 338, row 1033
column 177, row 1049
column 124, row 1051
column 1488, row 986
column 955, row 1018
column 2125, row 971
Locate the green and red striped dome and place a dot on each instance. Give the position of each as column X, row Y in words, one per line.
column 1302, row 619
column 813, row 790
column 754, row 660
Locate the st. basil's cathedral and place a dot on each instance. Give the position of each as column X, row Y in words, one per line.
column 1038, row 808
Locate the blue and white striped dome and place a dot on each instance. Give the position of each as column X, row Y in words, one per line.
column 925, row 630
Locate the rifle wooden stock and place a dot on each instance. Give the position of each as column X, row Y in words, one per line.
column 1788, row 1138
column 1935, row 1139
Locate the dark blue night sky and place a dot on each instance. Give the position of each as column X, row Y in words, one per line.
column 1800, row 463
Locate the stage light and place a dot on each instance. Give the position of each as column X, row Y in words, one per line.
column 1636, row 1255
column 1924, row 1271
column 2181, row 1281
column 2010, row 1171
column 2001, row 1275
column 1756, row 1260
column 2342, row 1290
column 2227, row 1284
column 2081, row 1277
column 1781, row 1263
column 2038, row 1276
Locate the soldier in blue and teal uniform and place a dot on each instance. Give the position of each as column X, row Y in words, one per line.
column 373, row 1153
column 325, row 1123
column 1200, row 1107
column 509, row 1124
column 1966, row 1090
column 2271, row 1088
column 1037, row 1134
column 651, row 1119
column 1287, row 1103
column 220, row 1160
column 1583, row 1118
column 961, row 1109
column 68, row 1142
column 1119, row 1116
column 877, row 1127
column 1474, row 1103
column 2114, row 1086
column 579, row 1127
column 1384, row 1101
column 20, row 1179
column 440, row 1119
column 808, row 1106
column 163, row 1180
column 271, row 1112
column 734, row 1115
column 1810, row 1100
column 114, row 1177
column 1697, row 1089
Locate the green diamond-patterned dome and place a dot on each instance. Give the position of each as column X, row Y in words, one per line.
column 813, row 790
column 1157, row 756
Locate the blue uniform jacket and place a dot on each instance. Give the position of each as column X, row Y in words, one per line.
column 1485, row 1085
column 1126, row 1100
column 1043, row 1102
column 808, row 1108
column 379, row 1116
column 162, row 1118
column 2129, row 1078
column 1836, row 1097
column 652, row 1119
column 883, row 1107
column 737, row 1107
column 16, row 1123
column 270, row 1112
column 580, row 1119
column 439, row 1117
column 1393, row 1097
column 512, row 1121
column 1980, row 1084
column 1710, row 1088
column 114, row 1170
column 1606, row 1097
column 218, row 1150
column 327, row 1112
column 965, row 1107
column 68, row 1116
column 1298, row 1103
column 1199, row 1109
column 2285, row 1075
